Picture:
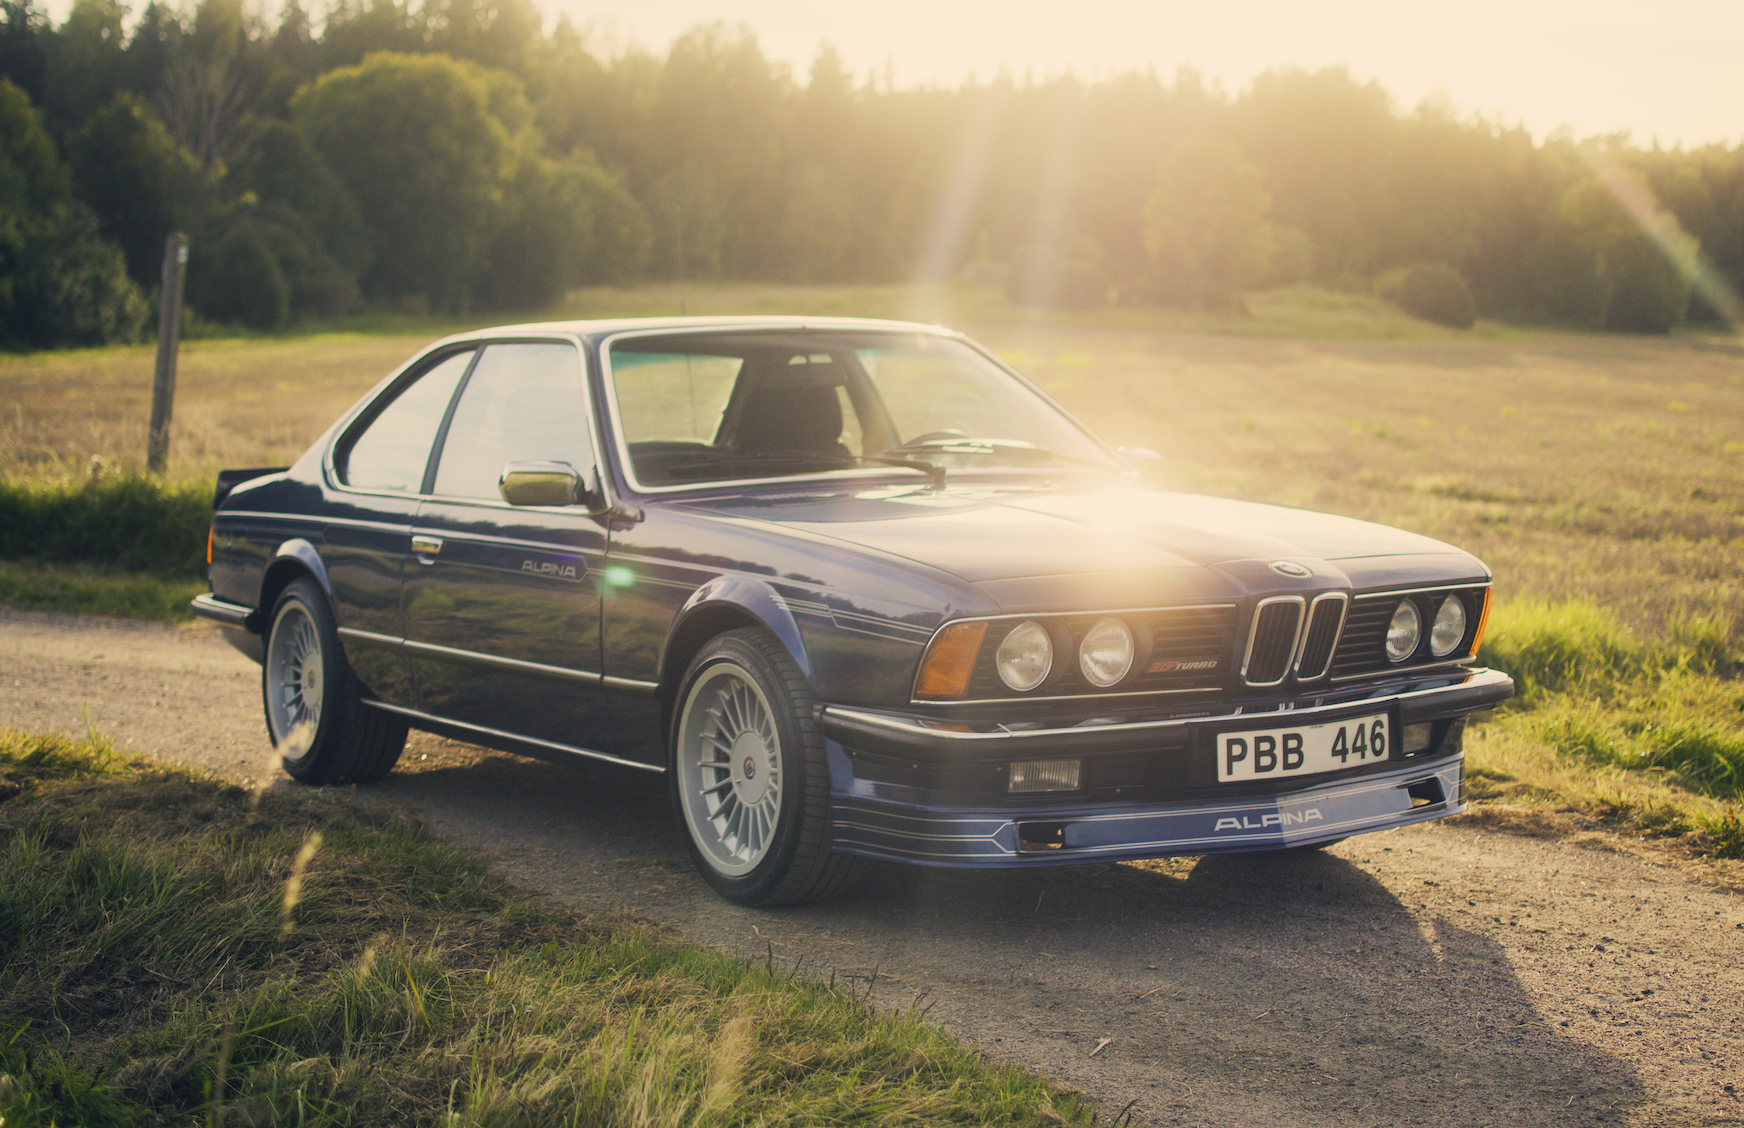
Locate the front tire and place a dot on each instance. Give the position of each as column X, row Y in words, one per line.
column 750, row 781
column 306, row 680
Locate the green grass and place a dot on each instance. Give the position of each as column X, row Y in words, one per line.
column 84, row 589
column 175, row 950
column 126, row 545
column 130, row 523
column 1644, row 732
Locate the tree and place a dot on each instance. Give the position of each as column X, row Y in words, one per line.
column 1613, row 259
column 60, row 283
column 86, row 63
column 131, row 172
column 1205, row 224
column 415, row 141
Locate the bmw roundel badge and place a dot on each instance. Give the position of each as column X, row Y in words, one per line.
column 1290, row 568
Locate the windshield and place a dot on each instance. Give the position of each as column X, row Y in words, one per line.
column 736, row 406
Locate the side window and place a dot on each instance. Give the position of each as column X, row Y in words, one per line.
column 394, row 449
column 524, row 403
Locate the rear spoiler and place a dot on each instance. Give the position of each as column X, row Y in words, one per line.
column 230, row 479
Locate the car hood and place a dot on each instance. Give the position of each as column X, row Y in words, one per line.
column 990, row 534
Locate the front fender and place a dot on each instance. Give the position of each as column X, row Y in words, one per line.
column 726, row 598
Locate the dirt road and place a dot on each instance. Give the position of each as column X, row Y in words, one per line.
column 1439, row 975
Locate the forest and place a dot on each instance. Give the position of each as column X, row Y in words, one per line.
column 450, row 156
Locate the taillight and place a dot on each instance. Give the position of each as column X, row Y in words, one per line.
column 208, row 545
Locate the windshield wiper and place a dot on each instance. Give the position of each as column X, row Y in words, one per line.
column 931, row 469
column 1017, row 449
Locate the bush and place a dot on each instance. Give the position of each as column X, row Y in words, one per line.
column 1433, row 291
column 242, row 282
column 135, row 524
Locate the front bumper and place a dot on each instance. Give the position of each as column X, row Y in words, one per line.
column 930, row 817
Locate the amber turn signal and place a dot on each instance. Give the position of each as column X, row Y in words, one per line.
column 944, row 672
column 1483, row 621
column 208, row 544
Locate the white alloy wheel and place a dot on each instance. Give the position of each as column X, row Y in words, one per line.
column 295, row 672
column 305, row 682
column 730, row 769
column 749, row 776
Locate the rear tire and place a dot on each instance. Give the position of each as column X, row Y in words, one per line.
column 750, row 780
column 305, row 679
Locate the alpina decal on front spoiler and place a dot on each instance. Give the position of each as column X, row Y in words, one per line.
column 1266, row 822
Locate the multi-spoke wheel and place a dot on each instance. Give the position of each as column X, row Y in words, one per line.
column 314, row 704
column 749, row 776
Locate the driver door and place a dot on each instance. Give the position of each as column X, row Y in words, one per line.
column 502, row 603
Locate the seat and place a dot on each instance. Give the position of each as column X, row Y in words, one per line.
column 808, row 419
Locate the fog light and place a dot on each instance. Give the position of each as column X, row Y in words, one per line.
column 1416, row 738
column 1044, row 775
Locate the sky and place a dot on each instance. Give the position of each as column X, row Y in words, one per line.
column 1671, row 71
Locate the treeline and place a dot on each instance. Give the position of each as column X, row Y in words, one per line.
column 452, row 155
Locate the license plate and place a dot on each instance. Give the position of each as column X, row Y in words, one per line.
column 1303, row 749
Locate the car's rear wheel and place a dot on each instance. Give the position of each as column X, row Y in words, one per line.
column 314, row 703
column 749, row 776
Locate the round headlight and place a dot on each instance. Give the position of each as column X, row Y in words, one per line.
column 1025, row 657
column 1105, row 655
column 1448, row 628
column 1403, row 632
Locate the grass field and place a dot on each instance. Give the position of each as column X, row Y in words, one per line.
column 176, row 951
column 1597, row 475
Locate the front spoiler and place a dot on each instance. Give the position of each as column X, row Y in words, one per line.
column 1378, row 801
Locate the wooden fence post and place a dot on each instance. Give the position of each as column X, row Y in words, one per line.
column 169, row 332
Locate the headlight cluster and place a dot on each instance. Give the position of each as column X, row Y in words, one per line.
column 1405, row 630
column 1025, row 657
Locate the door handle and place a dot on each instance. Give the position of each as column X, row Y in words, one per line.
column 426, row 546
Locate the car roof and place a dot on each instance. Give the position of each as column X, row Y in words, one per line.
column 598, row 329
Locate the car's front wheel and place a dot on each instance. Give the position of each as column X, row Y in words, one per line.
column 314, row 703
column 749, row 776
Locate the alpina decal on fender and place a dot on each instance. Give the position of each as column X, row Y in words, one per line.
column 556, row 571
column 1265, row 822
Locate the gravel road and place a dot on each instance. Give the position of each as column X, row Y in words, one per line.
column 1445, row 974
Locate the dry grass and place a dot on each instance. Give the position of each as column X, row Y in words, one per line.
column 1595, row 469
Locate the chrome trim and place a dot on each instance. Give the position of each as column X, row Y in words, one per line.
column 419, row 530
column 1253, row 628
column 1410, row 671
column 1337, row 635
column 221, row 611
column 1059, row 696
column 914, row 728
column 426, row 545
column 307, row 518
column 928, row 645
column 551, row 744
column 479, row 341
column 393, row 642
column 516, row 665
column 1424, row 590
column 631, row 685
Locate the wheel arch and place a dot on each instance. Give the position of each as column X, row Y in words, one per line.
column 294, row 559
column 724, row 604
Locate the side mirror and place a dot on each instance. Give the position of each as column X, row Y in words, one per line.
column 545, row 483
column 1147, row 462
